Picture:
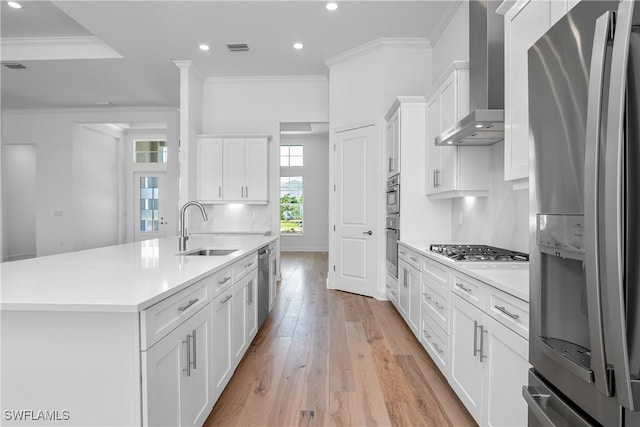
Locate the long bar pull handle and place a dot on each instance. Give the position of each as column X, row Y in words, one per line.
column 225, row 280
column 482, row 332
column 475, row 338
column 188, row 368
column 194, row 349
column 461, row 286
column 224, row 301
column 592, row 200
column 390, row 164
column 189, row 304
column 505, row 311
column 246, row 191
column 220, row 191
column 613, row 199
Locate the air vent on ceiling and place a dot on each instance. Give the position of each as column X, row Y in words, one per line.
column 238, row 47
column 14, row 65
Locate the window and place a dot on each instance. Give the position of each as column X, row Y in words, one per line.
column 291, row 205
column 291, row 155
column 149, row 218
column 150, row 151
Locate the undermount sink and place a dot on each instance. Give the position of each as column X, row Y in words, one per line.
column 208, row 252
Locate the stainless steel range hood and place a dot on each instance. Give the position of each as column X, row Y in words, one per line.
column 485, row 124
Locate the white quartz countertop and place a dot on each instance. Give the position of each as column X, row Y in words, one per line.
column 510, row 277
column 122, row 278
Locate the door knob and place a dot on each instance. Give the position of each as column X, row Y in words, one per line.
column 368, row 232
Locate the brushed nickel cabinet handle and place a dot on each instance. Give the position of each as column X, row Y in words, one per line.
column 188, row 368
column 225, row 280
column 461, row 286
column 194, row 349
column 226, row 299
column 187, row 305
column 504, row 310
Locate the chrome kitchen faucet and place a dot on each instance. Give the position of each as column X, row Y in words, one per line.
column 182, row 239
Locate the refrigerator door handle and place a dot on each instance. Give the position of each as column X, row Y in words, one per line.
column 613, row 225
column 592, row 201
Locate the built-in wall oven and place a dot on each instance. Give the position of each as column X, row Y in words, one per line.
column 393, row 224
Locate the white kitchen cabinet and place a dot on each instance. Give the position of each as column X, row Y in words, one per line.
column 505, row 372
column 466, row 364
column 489, row 365
column 209, row 169
column 393, row 144
column 452, row 171
column 393, row 289
column 221, row 333
column 238, row 321
column 178, row 383
column 251, row 311
column 524, row 24
column 233, row 169
column 409, row 282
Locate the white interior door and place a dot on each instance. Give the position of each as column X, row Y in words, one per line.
column 356, row 210
column 149, row 195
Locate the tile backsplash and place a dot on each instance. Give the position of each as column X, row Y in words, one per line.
column 233, row 217
column 502, row 219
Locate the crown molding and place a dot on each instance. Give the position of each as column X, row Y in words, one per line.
column 47, row 48
column 76, row 110
column 249, row 79
column 375, row 45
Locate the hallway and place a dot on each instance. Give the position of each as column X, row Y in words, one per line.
column 330, row 358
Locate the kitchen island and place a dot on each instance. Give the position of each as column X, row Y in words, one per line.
column 133, row 334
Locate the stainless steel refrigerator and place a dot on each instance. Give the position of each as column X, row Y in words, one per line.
column 584, row 114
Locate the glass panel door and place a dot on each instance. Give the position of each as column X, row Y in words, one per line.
column 149, row 199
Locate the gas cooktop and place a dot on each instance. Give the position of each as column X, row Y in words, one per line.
column 477, row 253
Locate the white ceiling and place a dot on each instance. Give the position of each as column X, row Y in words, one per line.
column 147, row 36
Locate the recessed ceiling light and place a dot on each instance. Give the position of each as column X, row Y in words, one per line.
column 104, row 103
column 478, row 126
column 204, row 47
column 15, row 5
column 332, row 6
column 298, row 45
column 449, row 142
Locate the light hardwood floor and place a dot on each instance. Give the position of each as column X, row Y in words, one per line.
column 331, row 358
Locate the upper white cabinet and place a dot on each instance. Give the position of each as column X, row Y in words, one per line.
column 525, row 22
column 393, row 143
column 233, row 169
column 453, row 171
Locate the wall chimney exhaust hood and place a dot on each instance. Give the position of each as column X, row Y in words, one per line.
column 485, row 124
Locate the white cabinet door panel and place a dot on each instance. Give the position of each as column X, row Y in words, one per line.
column 233, row 178
column 210, row 169
column 256, row 169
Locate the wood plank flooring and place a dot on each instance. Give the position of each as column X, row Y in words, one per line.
column 331, row 358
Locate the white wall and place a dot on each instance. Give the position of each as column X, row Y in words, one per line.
column 259, row 105
column 315, row 174
column 19, row 176
column 52, row 133
column 502, row 219
column 453, row 43
column 95, row 186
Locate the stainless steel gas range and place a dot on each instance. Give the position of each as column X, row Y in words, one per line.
column 471, row 253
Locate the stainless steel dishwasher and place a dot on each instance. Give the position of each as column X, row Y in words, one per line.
column 263, row 285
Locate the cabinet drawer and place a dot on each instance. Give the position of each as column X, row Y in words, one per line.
column 243, row 266
column 222, row 279
column 509, row 310
column 436, row 342
column 410, row 256
column 469, row 289
column 164, row 316
column 438, row 271
column 435, row 301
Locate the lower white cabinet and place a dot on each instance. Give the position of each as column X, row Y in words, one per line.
column 488, row 366
column 250, row 282
column 273, row 273
column 178, row 386
column 409, row 295
column 238, row 321
column 467, row 355
column 222, row 358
